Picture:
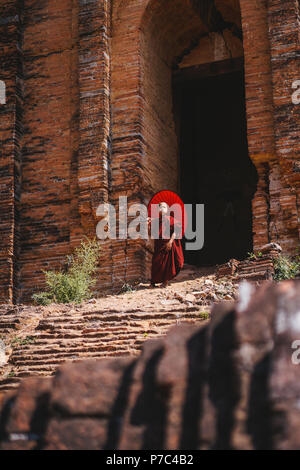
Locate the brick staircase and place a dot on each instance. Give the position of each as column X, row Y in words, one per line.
column 38, row 340
column 228, row 384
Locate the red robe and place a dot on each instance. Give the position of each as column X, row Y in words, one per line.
column 166, row 264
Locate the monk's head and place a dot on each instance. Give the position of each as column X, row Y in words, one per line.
column 163, row 208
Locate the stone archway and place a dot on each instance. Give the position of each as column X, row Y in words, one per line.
column 205, row 156
column 150, row 38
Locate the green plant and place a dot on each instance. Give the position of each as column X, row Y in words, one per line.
column 23, row 341
column 297, row 255
column 252, row 255
column 286, row 267
column 43, row 298
column 75, row 284
column 204, row 315
column 126, row 288
column 11, row 374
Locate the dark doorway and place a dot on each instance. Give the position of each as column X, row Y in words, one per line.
column 215, row 168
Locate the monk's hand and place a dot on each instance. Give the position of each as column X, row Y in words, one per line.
column 169, row 245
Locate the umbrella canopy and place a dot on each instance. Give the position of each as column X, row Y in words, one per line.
column 170, row 198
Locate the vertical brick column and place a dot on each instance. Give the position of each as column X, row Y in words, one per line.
column 94, row 121
column 261, row 206
column 50, row 142
column 10, row 139
column 94, row 125
column 259, row 108
column 128, row 136
column 284, row 35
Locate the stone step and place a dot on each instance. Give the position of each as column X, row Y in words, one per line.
column 31, row 367
column 83, row 342
column 20, row 359
column 9, row 384
column 127, row 317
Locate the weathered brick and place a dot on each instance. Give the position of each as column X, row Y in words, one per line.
column 95, row 120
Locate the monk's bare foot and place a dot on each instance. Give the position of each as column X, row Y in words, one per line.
column 165, row 284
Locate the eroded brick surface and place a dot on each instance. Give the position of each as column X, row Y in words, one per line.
column 229, row 384
column 95, row 120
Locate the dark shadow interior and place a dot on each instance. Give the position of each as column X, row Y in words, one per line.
column 215, row 168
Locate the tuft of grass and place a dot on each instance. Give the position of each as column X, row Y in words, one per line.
column 204, row 315
column 74, row 285
column 252, row 255
column 286, row 267
column 22, row 341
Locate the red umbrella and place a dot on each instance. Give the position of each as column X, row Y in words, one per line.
column 170, row 198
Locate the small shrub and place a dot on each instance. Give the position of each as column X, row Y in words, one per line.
column 286, row 267
column 204, row 315
column 75, row 284
column 126, row 288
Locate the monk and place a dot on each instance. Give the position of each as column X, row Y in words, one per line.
column 168, row 257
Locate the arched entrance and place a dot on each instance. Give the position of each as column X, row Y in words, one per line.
column 161, row 50
column 195, row 120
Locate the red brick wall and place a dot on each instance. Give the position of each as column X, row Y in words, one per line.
column 128, row 141
column 162, row 44
column 259, row 105
column 284, row 36
column 149, row 59
column 93, row 166
column 50, row 141
column 98, row 123
column 66, row 137
column 11, row 72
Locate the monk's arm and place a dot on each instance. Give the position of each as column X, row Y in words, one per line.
column 170, row 242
